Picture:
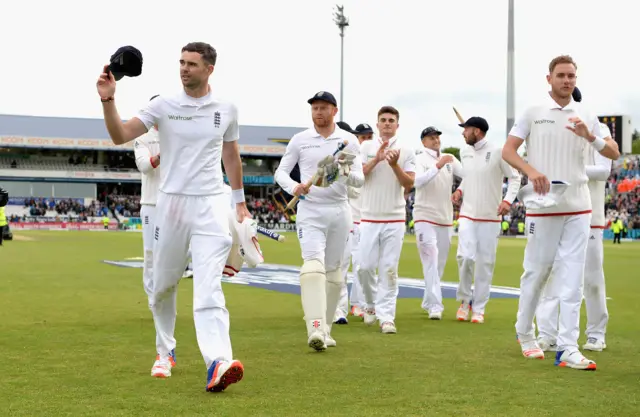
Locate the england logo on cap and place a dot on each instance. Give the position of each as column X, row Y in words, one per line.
column 320, row 94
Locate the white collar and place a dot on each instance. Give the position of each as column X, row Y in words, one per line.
column 315, row 134
column 553, row 105
column 479, row 144
column 431, row 152
column 392, row 141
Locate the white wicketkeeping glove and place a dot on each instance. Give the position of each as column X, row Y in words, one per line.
column 328, row 172
column 345, row 160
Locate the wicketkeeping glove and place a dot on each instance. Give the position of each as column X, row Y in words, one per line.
column 345, row 161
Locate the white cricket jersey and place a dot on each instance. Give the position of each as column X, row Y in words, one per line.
column 598, row 170
column 354, row 203
column 558, row 153
column 306, row 149
column 433, row 188
column 145, row 147
column 484, row 173
column 191, row 133
column 382, row 196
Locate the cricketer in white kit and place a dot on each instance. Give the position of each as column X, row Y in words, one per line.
column 433, row 215
column 480, row 215
column 363, row 132
column 598, row 170
column 323, row 218
column 556, row 134
column 389, row 169
column 196, row 133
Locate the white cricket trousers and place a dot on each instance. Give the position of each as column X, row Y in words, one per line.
column 147, row 215
column 380, row 248
column 562, row 239
column 595, row 296
column 201, row 221
column 477, row 246
column 433, row 243
column 350, row 257
column 323, row 231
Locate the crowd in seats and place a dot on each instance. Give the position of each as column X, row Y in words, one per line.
column 264, row 211
column 125, row 205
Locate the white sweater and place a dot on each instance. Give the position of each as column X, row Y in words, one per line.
column 598, row 170
column 433, row 188
column 382, row 196
column 145, row 147
column 484, row 173
column 556, row 152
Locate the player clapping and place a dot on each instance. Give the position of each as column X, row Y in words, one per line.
column 433, row 215
column 389, row 169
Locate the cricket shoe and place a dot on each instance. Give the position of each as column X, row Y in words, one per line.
column 370, row 317
column 594, row 345
column 575, row 360
column 547, row 345
column 477, row 318
column 357, row 311
column 531, row 350
column 188, row 273
column 329, row 341
column 388, row 328
column 341, row 320
column 463, row 312
column 435, row 315
column 221, row 374
column 317, row 341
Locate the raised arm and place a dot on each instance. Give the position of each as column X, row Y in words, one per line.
column 356, row 176
column 119, row 132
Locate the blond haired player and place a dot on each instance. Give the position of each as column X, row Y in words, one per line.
column 363, row 132
column 389, row 169
column 433, row 215
column 557, row 132
column 323, row 218
column 479, row 221
column 197, row 132
column 598, row 169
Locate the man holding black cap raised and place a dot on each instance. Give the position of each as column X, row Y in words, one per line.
column 480, row 215
column 197, row 132
column 363, row 132
column 433, row 215
column 323, row 218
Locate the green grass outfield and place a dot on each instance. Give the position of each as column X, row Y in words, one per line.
column 77, row 339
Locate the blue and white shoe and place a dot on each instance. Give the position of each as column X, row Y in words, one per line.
column 575, row 360
column 221, row 374
column 341, row 320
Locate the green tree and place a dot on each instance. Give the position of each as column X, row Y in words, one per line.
column 453, row 151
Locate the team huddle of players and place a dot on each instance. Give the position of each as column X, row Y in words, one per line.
column 352, row 202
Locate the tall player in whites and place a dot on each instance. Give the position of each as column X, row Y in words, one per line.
column 363, row 132
column 389, row 169
column 197, row 132
column 479, row 221
column 323, row 218
column 556, row 131
column 433, row 215
column 598, row 170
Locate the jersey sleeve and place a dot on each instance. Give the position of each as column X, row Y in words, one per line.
column 522, row 127
column 233, row 130
column 143, row 156
column 151, row 114
column 288, row 161
column 356, row 176
column 410, row 161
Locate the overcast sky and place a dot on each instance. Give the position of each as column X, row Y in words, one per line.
column 422, row 57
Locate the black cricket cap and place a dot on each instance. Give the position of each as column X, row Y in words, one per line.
column 430, row 131
column 363, row 129
column 345, row 126
column 477, row 122
column 126, row 62
column 323, row 96
column 577, row 95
